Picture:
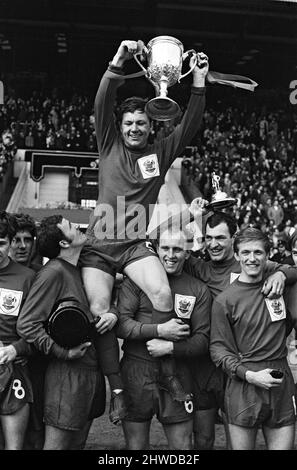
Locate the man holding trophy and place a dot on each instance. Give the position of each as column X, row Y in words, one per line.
column 131, row 173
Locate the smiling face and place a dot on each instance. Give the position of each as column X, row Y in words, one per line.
column 252, row 258
column 172, row 251
column 135, row 129
column 219, row 242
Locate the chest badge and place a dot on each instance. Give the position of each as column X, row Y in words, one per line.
column 149, row 166
column 10, row 301
column 276, row 308
column 183, row 305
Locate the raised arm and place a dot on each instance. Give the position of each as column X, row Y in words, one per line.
column 192, row 118
column 106, row 94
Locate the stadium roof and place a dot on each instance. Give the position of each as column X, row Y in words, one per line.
column 255, row 37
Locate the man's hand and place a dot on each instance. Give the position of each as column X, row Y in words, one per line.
column 7, row 354
column 173, row 330
column 274, row 285
column 106, row 322
column 159, row 347
column 126, row 51
column 262, row 379
column 198, row 207
column 201, row 69
column 78, row 351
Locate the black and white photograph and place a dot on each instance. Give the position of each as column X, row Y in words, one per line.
column 148, row 228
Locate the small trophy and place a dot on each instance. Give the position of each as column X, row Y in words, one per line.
column 165, row 56
column 220, row 199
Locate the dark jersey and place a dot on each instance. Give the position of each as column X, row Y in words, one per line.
column 192, row 301
column 15, row 282
column 55, row 281
column 246, row 327
column 128, row 179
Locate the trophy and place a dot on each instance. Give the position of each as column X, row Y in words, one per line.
column 165, row 58
column 220, row 199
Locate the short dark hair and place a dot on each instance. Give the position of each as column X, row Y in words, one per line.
column 24, row 222
column 7, row 228
column 49, row 236
column 251, row 234
column 221, row 217
column 130, row 105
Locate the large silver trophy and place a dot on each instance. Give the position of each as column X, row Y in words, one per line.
column 220, row 199
column 165, row 56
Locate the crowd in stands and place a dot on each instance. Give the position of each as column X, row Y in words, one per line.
column 253, row 151
column 49, row 122
column 8, row 150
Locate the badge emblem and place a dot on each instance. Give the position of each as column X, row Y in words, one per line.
column 149, row 166
column 183, row 305
column 10, row 301
column 276, row 308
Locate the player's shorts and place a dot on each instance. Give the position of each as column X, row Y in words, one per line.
column 209, row 393
column 145, row 399
column 113, row 257
column 18, row 391
column 73, row 395
column 250, row 406
column 37, row 365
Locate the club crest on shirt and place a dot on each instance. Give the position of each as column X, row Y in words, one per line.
column 149, row 166
column 276, row 308
column 10, row 301
column 183, row 305
column 233, row 276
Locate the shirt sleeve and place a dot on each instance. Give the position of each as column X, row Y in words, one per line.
column 198, row 343
column 289, row 271
column 223, row 349
column 184, row 132
column 31, row 324
column 104, row 108
column 128, row 306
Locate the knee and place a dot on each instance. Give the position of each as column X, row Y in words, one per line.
column 161, row 297
column 99, row 303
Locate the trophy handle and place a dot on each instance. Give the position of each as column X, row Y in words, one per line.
column 144, row 50
column 185, row 55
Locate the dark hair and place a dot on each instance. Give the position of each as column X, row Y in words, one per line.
column 49, row 236
column 7, row 228
column 130, row 105
column 251, row 234
column 221, row 217
column 24, row 222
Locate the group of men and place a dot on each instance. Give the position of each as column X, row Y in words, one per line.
column 199, row 336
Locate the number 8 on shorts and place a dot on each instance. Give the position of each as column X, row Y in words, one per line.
column 19, row 391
